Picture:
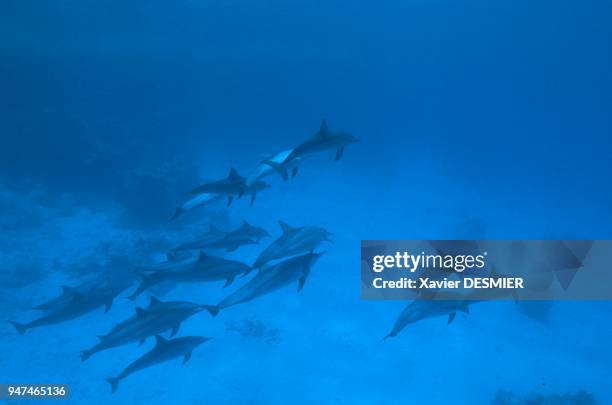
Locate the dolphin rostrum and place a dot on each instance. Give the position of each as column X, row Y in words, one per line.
column 157, row 318
column 323, row 140
column 293, row 241
column 75, row 304
column 164, row 350
column 205, row 268
column 270, row 279
column 423, row 309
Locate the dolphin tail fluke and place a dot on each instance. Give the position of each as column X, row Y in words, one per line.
column 281, row 169
column 114, row 382
column 177, row 213
column 21, row 328
column 339, row 154
column 85, row 354
column 212, row 309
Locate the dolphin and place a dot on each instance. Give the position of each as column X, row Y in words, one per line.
column 164, row 350
column 158, row 317
column 323, row 140
column 232, row 185
column 76, row 304
column 205, row 268
column 246, row 234
column 277, row 163
column 423, row 309
column 230, row 245
column 270, row 279
column 194, row 201
column 214, row 234
column 247, row 231
column 293, row 241
column 56, row 303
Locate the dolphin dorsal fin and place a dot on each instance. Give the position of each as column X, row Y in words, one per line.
column 159, row 340
column 68, row 290
column 140, row 312
column 245, row 224
column 233, row 174
column 154, row 301
column 286, row 228
column 203, row 256
column 323, row 130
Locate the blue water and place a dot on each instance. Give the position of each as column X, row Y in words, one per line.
column 477, row 119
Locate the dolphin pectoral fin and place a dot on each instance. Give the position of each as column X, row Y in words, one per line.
column 212, row 309
column 229, row 281
column 114, row 382
column 108, row 306
column 241, row 192
column 229, row 200
column 176, row 214
column 294, row 172
column 451, row 317
column 339, row 154
column 175, row 330
column 85, row 354
column 465, row 309
column 253, row 197
column 141, row 342
column 187, row 357
column 21, row 328
column 281, row 169
column 302, row 281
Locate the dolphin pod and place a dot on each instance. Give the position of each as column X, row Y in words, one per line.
column 287, row 260
column 234, row 186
